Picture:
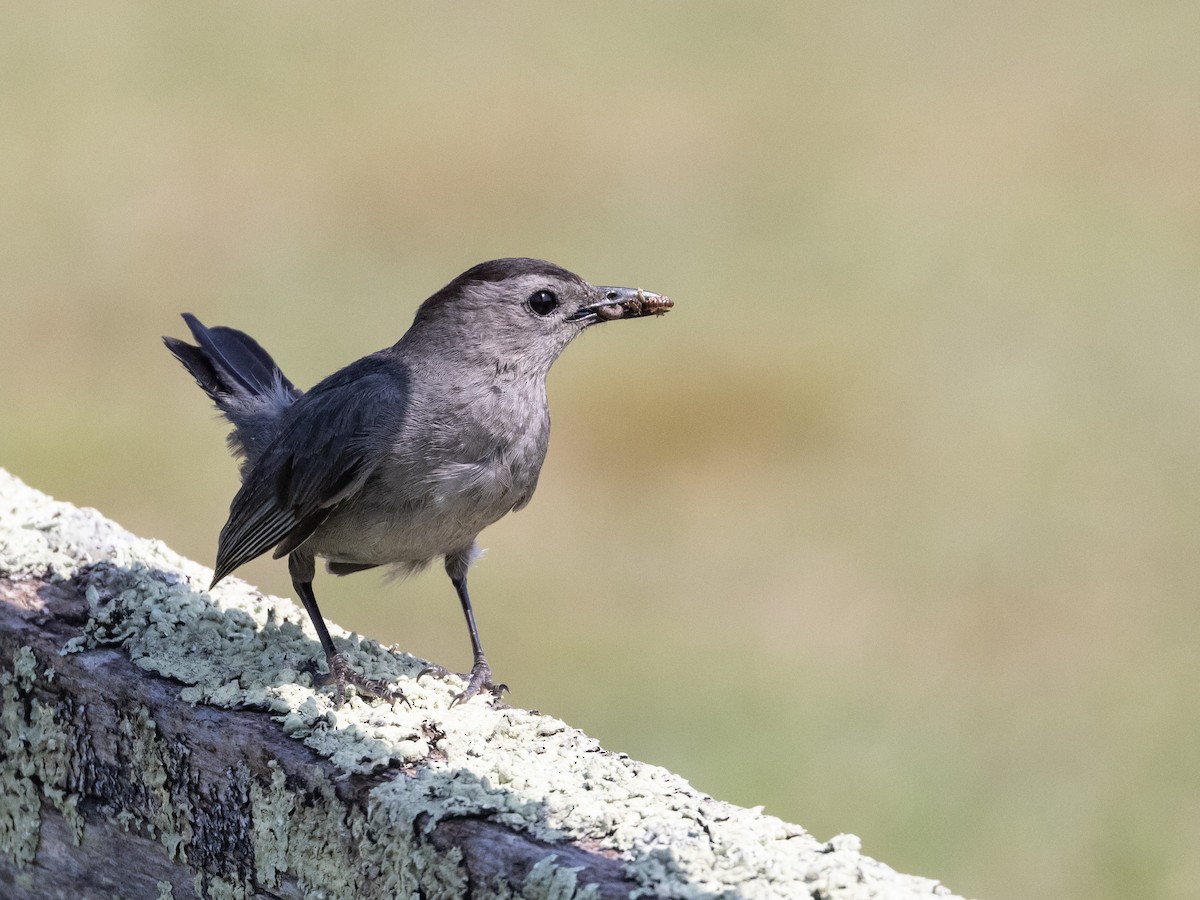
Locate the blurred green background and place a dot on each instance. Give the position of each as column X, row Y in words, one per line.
column 890, row 526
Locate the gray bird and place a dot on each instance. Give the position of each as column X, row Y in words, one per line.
column 407, row 454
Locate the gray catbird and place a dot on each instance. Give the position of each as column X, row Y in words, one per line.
column 406, row 454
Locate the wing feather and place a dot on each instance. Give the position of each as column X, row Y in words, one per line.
column 330, row 442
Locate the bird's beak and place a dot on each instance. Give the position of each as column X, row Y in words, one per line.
column 622, row 303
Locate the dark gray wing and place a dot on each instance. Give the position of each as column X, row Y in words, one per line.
column 330, row 441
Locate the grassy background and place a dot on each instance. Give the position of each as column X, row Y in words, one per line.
column 890, row 526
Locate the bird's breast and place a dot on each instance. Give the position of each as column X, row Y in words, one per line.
column 445, row 479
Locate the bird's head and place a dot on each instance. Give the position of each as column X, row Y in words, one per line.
column 521, row 312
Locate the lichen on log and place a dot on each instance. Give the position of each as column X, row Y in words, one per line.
column 161, row 740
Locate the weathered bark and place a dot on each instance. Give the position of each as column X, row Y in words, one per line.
column 154, row 743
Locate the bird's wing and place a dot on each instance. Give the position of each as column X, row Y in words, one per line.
column 329, row 444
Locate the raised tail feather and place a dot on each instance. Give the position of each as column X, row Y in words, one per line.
column 241, row 378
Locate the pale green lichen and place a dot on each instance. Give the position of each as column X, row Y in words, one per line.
column 236, row 647
column 212, row 887
column 273, row 809
column 20, row 802
column 41, row 759
column 554, row 882
column 35, row 763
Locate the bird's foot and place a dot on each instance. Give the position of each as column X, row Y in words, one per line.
column 478, row 679
column 341, row 674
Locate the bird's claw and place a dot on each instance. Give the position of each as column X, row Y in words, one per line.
column 341, row 674
column 478, row 679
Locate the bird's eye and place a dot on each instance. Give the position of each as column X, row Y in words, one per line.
column 543, row 303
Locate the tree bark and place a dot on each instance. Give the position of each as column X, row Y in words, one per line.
column 159, row 741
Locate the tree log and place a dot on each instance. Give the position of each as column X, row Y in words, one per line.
column 161, row 741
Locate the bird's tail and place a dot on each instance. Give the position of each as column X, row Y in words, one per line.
column 242, row 380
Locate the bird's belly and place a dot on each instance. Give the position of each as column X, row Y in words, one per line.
column 381, row 527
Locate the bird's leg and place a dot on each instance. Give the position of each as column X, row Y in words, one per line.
column 480, row 677
column 340, row 672
column 481, row 672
